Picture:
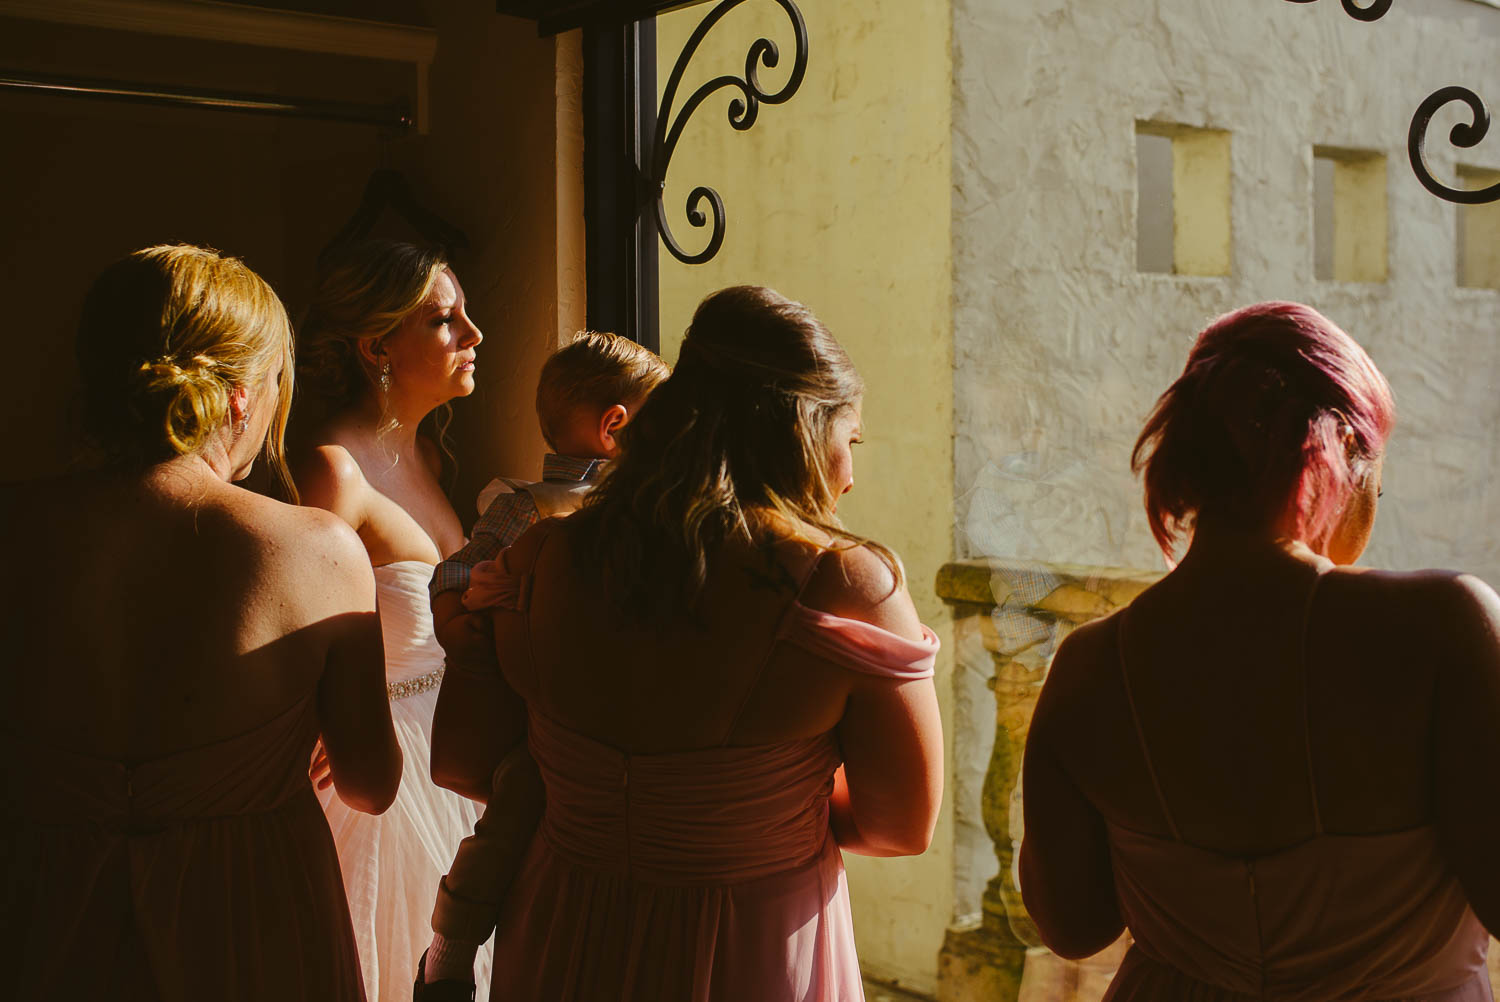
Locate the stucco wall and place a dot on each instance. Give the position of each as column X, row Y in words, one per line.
column 840, row 199
column 1061, row 345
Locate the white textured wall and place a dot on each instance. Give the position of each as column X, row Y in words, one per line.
column 1061, row 345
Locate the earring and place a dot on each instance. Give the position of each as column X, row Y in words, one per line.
column 385, row 376
column 242, row 424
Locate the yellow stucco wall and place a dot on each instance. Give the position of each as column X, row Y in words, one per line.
column 840, row 198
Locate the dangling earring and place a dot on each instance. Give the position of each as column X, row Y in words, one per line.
column 385, row 376
column 242, row 424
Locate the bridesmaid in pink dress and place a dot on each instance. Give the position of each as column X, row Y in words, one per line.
column 722, row 688
column 176, row 645
column 1279, row 771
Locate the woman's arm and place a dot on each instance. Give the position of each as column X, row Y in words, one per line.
column 1464, row 615
column 354, row 712
column 887, row 796
column 479, row 719
column 1067, row 879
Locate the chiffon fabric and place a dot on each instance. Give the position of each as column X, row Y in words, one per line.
column 692, row 876
column 205, row 874
column 392, row 862
column 1347, row 917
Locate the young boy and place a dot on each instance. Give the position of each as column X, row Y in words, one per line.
column 586, row 393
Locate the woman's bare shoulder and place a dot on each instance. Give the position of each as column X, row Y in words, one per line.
column 1088, row 653
column 1440, row 599
column 293, row 530
column 861, row 582
column 325, row 469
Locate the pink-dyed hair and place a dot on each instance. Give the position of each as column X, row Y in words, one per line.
column 1255, row 426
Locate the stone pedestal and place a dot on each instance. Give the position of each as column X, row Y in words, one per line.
column 1021, row 610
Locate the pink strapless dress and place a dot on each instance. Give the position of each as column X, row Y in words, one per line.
column 700, row 876
column 207, row 874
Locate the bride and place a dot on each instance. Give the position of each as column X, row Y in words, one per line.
column 385, row 343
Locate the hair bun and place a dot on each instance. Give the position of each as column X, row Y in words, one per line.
column 186, row 396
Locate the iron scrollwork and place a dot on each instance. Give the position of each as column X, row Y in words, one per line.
column 1463, row 135
column 1374, row 12
column 743, row 111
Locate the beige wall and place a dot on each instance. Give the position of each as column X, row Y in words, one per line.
column 84, row 182
column 840, row 199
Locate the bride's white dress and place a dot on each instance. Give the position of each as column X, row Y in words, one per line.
column 392, row 862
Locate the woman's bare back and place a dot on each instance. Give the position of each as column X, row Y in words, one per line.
column 1242, row 722
column 715, row 677
column 167, row 610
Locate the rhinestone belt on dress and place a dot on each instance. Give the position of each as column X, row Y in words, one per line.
column 415, row 684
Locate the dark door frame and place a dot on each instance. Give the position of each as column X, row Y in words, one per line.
column 627, row 150
column 619, row 120
column 619, row 124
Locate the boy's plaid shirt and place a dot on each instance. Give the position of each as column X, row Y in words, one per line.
column 505, row 520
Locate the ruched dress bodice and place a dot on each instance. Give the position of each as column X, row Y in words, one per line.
column 1373, row 918
column 207, row 873
column 705, row 875
column 714, row 816
column 413, row 656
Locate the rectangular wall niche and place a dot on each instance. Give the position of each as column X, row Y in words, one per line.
column 1183, row 199
column 1349, row 215
column 1478, row 233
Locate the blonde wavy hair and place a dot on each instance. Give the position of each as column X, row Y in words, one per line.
column 164, row 336
column 740, row 433
column 365, row 290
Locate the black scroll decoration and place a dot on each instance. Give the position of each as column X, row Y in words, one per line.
column 1463, row 135
column 1374, row 12
column 743, row 111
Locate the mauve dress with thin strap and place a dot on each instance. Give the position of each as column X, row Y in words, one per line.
column 700, row 876
column 206, row 874
column 1337, row 917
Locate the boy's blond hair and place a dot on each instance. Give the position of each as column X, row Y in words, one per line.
column 597, row 369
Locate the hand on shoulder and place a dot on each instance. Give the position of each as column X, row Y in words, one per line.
column 857, row 582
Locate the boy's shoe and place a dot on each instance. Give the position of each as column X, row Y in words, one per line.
column 446, row 990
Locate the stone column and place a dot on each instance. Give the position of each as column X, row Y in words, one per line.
column 1020, row 610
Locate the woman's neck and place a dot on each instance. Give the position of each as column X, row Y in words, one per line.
column 1219, row 542
column 394, row 421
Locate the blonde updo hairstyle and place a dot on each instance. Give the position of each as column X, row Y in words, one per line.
column 365, row 290
column 738, row 438
column 165, row 335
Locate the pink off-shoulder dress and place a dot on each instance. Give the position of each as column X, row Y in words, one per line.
column 708, row 875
